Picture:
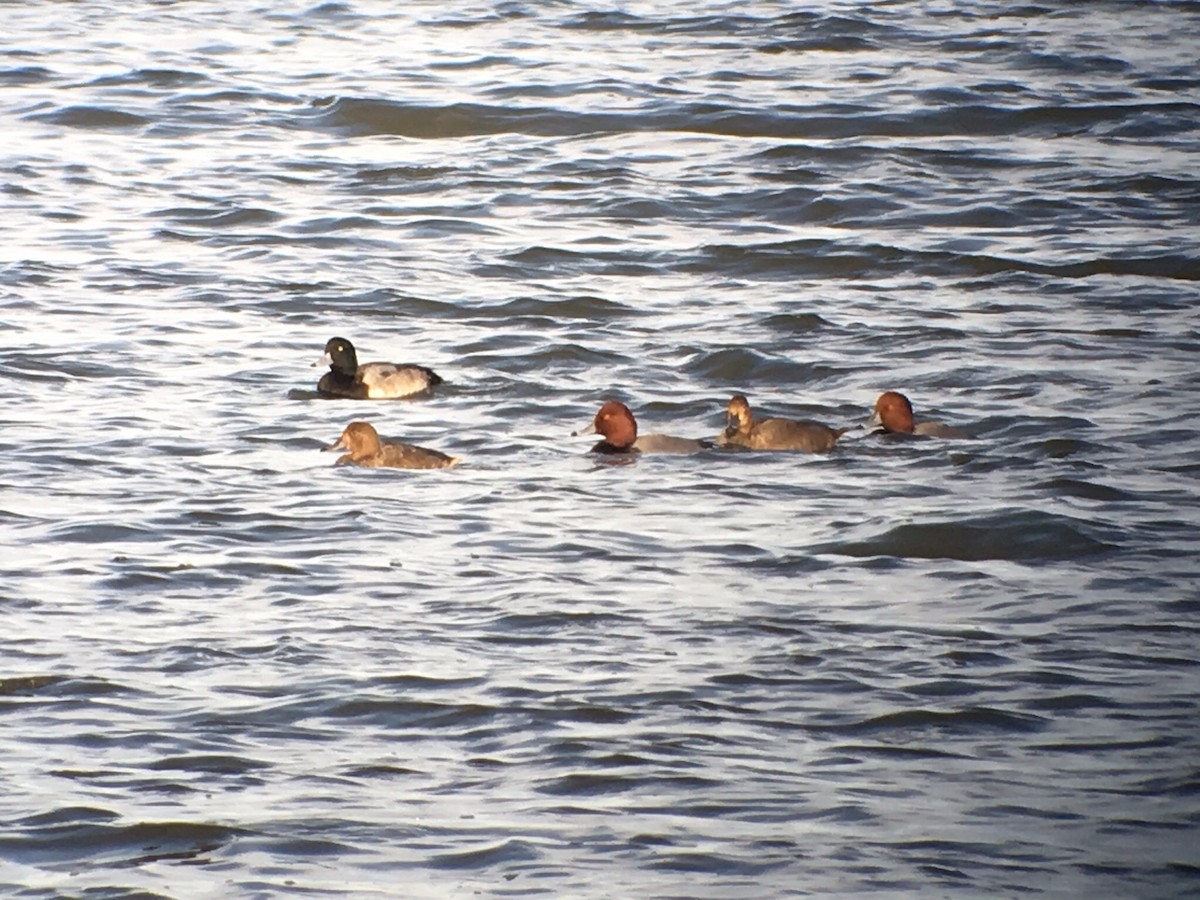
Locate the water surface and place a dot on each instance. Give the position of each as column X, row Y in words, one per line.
column 228, row 668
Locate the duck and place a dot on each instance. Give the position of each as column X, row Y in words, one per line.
column 894, row 415
column 364, row 448
column 774, row 434
column 370, row 381
column 616, row 424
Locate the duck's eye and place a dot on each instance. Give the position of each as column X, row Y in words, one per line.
column 340, row 348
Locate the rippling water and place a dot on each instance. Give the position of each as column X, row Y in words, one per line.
column 231, row 669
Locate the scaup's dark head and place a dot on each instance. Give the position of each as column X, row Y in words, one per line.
column 340, row 356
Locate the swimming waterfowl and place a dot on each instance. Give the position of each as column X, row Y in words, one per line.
column 617, row 425
column 774, row 434
column 370, row 381
column 361, row 440
column 894, row 415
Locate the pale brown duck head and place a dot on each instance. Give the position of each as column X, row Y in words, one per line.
column 359, row 439
column 737, row 416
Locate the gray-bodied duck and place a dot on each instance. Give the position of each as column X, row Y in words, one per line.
column 894, row 415
column 616, row 424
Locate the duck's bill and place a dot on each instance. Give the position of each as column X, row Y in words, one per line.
column 336, row 445
column 590, row 429
column 324, row 362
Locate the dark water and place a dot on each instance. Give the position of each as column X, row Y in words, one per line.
column 904, row 668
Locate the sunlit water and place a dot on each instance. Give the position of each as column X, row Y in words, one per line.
column 228, row 668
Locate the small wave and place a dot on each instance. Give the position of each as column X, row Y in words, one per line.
column 559, row 354
column 971, row 720
column 372, row 116
column 568, row 307
column 104, row 533
column 97, row 117
column 220, row 219
column 487, row 857
column 818, row 258
column 402, row 713
column 1021, row 536
column 892, row 751
column 611, row 21
column 441, row 227
column 842, row 43
column 1069, row 63
column 1072, row 703
column 743, row 366
column 948, row 687
column 549, row 260
column 976, row 658
column 157, row 78
column 403, row 175
column 426, row 682
column 1088, row 490
column 635, row 209
column 586, row 784
column 716, row 864
column 373, row 772
column 83, row 835
column 737, row 365
column 364, row 116
column 383, row 303
column 29, row 684
column 561, row 621
column 66, row 815
column 1007, row 811
column 1086, row 747
column 214, row 764
column 796, row 323
column 26, row 75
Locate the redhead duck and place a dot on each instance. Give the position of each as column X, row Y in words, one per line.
column 617, row 425
column 894, row 415
column 365, row 449
column 774, row 434
column 370, row 381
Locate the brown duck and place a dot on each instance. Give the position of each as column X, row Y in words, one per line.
column 774, row 434
column 361, row 441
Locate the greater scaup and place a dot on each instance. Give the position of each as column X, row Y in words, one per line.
column 370, row 381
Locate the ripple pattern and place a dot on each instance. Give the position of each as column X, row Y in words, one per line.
column 905, row 668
